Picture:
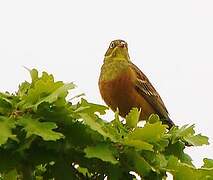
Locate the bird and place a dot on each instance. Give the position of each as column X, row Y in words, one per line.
column 123, row 85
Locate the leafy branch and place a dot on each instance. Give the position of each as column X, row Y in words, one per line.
column 44, row 136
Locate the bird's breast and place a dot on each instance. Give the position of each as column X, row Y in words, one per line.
column 116, row 92
column 120, row 93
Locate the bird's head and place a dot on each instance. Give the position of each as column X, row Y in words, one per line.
column 118, row 50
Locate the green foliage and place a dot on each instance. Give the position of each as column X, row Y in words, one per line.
column 132, row 118
column 187, row 134
column 42, row 129
column 6, row 126
column 43, row 136
column 101, row 151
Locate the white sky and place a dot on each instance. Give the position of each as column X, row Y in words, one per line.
column 171, row 41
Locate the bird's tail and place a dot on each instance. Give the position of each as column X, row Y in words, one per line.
column 169, row 122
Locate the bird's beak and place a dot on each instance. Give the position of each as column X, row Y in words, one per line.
column 121, row 45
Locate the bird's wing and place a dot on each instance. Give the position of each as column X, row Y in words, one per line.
column 145, row 88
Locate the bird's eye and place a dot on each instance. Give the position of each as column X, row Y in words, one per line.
column 112, row 45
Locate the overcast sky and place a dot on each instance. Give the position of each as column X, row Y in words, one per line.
column 171, row 41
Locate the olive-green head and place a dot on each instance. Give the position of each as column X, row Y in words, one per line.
column 118, row 50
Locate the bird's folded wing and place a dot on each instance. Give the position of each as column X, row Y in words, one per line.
column 145, row 88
